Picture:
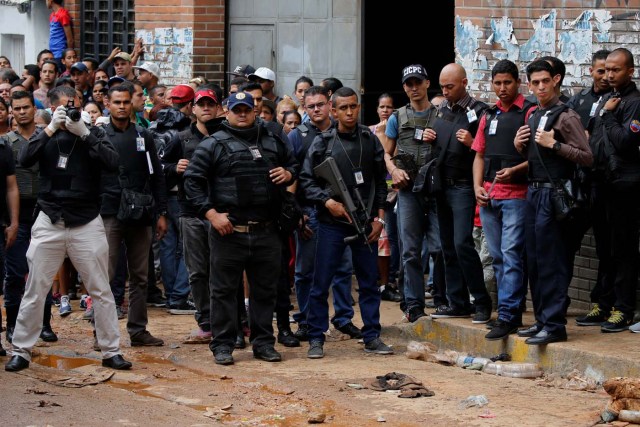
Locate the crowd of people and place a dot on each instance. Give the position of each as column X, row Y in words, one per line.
column 114, row 182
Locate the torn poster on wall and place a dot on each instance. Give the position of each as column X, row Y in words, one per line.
column 503, row 34
column 576, row 45
column 172, row 50
column 543, row 41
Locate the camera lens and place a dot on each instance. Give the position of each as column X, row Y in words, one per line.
column 74, row 114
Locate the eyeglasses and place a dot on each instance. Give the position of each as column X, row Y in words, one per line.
column 319, row 105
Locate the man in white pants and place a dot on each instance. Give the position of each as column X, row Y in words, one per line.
column 71, row 159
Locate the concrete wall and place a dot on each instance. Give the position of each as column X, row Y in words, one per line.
column 34, row 26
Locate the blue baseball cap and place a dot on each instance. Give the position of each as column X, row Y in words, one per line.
column 240, row 98
column 80, row 67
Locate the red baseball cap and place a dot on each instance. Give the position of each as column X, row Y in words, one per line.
column 182, row 94
column 206, row 93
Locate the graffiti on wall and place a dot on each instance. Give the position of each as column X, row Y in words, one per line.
column 543, row 41
column 172, row 49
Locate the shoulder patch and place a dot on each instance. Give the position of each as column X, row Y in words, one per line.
column 635, row 126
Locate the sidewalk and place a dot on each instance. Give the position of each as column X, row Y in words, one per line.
column 602, row 355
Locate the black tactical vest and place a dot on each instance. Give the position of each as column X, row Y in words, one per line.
column 246, row 181
column 500, row 151
column 27, row 178
column 558, row 167
column 407, row 121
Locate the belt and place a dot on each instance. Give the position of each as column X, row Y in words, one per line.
column 251, row 227
column 541, row 184
column 451, row 181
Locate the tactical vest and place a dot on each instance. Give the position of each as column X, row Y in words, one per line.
column 246, row 181
column 499, row 152
column 308, row 133
column 189, row 142
column 558, row 166
column 458, row 158
column 407, row 121
column 27, row 178
column 80, row 179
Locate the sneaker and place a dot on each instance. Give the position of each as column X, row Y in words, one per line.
column 56, row 299
column 315, row 350
column 303, row 332
column 595, row 317
column 65, row 306
column 377, row 347
column 483, row 315
column 635, row 328
column 428, row 293
column 185, row 307
column 145, row 339
column 501, row 329
column 444, row 311
column 222, row 356
column 390, row 294
column 122, row 312
column 414, row 313
column 350, row 329
column 156, row 301
column 83, row 302
column 88, row 314
column 617, row 322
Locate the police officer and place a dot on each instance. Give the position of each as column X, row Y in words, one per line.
column 71, row 159
column 234, row 179
column 615, row 134
column 553, row 141
column 359, row 156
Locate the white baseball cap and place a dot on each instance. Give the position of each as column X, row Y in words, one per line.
column 150, row 67
column 263, row 73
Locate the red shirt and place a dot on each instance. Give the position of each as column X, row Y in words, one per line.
column 502, row 190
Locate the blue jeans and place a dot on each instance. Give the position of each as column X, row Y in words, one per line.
column 416, row 219
column 174, row 272
column 391, row 218
column 463, row 270
column 341, row 287
column 16, row 266
column 504, row 225
column 329, row 255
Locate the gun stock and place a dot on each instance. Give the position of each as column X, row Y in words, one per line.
column 328, row 171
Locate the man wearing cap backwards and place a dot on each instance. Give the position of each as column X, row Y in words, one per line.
column 267, row 79
column 193, row 228
column 170, row 122
column 408, row 131
column 453, row 132
column 233, row 181
column 80, row 76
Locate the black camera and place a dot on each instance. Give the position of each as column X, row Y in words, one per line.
column 72, row 112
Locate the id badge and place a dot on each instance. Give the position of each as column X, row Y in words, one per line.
column 359, row 178
column 471, row 116
column 255, row 153
column 62, row 161
column 140, row 144
column 543, row 123
column 493, row 126
column 149, row 163
column 594, row 106
column 417, row 134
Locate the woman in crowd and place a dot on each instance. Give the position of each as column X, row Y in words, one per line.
column 290, row 120
column 99, row 89
column 268, row 112
column 101, row 75
column 31, row 77
column 69, row 58
column 5, row 127
column 94, row 111
column 287, row 104
column 302, row 84
column 4, row 62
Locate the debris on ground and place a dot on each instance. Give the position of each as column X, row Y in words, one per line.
column 572, row 381
column 625, row 396
column 471, row 401
column 502, row 357
column 74, row 378
column 316, row 418
column 513, row 369
column 429, row 352
column 408, row 386
column 46, row 404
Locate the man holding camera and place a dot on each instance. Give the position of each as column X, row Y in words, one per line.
column 71, row 159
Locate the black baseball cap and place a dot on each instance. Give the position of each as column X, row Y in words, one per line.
column 415, row 70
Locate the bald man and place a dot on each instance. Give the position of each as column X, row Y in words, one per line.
column 455, row 129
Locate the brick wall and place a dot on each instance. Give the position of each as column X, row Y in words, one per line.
column 73, row 6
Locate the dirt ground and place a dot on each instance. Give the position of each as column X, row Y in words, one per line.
column 179, row 384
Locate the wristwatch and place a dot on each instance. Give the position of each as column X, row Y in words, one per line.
column 381, row 221
column 556, row 146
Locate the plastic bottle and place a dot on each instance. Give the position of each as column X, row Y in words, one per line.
column 513, row 369
column 629, row 416
column 479, row 401
column 464, row 361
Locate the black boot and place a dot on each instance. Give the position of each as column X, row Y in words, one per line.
column 285, row 336
column 47, row 333
column 12, row 316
